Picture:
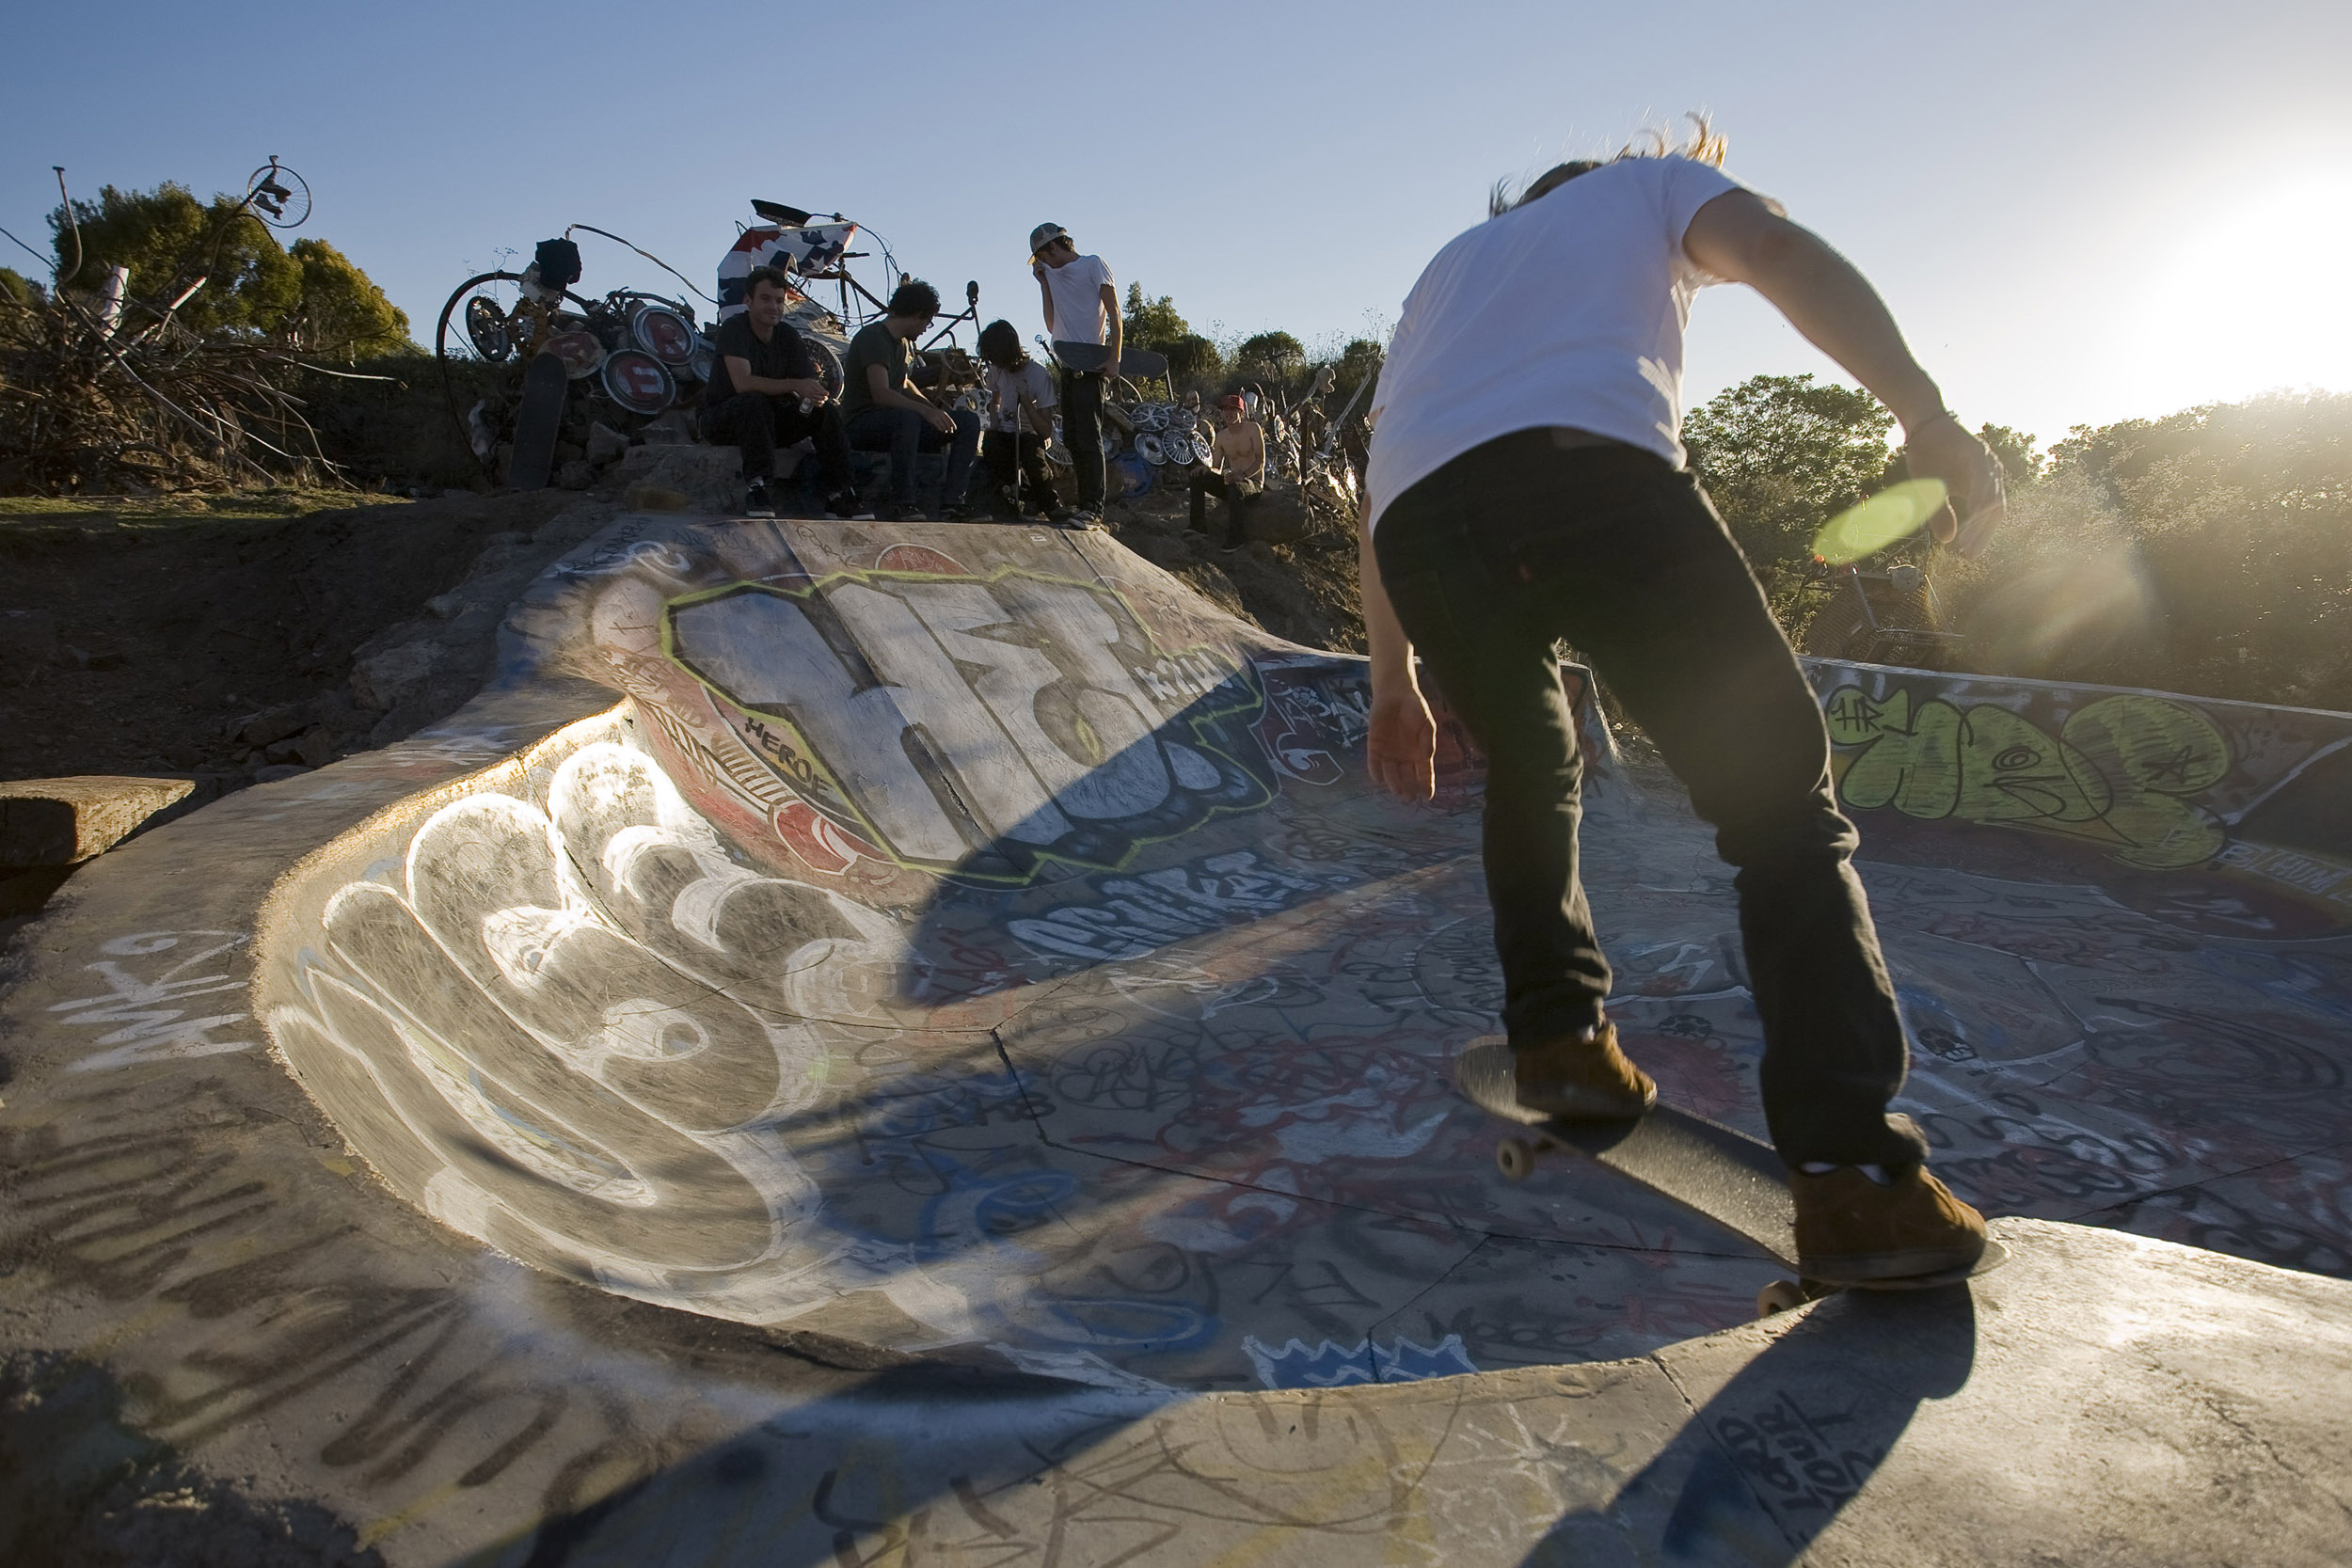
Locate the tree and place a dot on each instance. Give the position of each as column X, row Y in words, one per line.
column 1359, row 361
column 169, row 240
column 1192, row 356
column 16, row 286
column 1273, row 352
column 2020, row 463
column 1780, row 456
column 342, row 313
column 1151, row 323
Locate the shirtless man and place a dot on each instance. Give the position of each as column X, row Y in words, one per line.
column 1505, row 511
column 1236, row 470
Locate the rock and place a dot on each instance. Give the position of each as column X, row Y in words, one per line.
column 710, row 477
column 278, row 770
column 316, row 747
column 577, row 474
column 1278, row 518
column 270, row 724
column 445, row 605
column 654, row 498
column 59, row 822
column 605, row 444
column 380, row 680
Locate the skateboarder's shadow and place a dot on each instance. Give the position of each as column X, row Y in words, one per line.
column 1786, row 1439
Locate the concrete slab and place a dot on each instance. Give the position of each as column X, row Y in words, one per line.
column 63, row 821
column 890, row 1040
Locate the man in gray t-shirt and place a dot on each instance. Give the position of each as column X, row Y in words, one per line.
column 887, row 414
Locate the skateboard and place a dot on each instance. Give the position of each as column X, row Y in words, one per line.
column 1715, row 1171
column 537, row 422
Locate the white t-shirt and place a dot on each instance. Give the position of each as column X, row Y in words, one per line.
column 1005, row 390
column 1566, row 311
column 1076, row 288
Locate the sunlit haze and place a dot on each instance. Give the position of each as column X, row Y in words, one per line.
column 2081, row 212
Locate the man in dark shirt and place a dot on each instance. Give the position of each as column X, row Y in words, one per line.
column 887, row 414
column 766, row 392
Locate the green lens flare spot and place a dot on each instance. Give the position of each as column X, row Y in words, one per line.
column 1895, row 513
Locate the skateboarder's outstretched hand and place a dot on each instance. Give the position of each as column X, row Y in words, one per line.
column 1401, row 750
column 1942, row 448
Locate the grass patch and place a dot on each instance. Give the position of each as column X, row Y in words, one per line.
column 100, row 514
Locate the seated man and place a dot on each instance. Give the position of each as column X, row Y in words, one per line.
column 887, row 414
column 766, row 391
column 1020, row 421
column 1236, row 470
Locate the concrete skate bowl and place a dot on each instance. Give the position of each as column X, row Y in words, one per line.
column 972, row 941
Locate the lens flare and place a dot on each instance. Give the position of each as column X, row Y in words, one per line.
column 1895, row 513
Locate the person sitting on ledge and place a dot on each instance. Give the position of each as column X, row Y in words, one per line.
column 766, row 391
column 887, row 414
column 1236, row 470
column 1021, row 418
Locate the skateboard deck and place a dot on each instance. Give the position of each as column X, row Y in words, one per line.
column 537, row 422
column 1717, row 1172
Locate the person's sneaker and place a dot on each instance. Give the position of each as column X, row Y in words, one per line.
column 1854, row 1230
column 756, row 501
column 1064, row 517
column 842, row 505
column 955, row 514
column 1583, row 1078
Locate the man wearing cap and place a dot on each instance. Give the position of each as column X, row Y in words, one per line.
column 1236, row 470
column 1082, row 318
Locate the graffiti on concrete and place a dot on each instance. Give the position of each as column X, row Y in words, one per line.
column 2125, row 771
column 981, row 727
column 148, row 1018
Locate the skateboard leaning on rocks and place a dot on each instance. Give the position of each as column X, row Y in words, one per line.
column 1715, row 1171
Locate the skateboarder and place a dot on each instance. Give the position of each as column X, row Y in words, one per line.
column 766, row 394
column 1082, row 318
column 1526, row 485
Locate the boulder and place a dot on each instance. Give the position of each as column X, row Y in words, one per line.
column 60, row 821
column 710, row 477
column 605, row 444
column 381, row 679
column 1278, row 517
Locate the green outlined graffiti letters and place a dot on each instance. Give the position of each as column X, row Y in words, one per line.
column 2125, row 771
column 983, row 727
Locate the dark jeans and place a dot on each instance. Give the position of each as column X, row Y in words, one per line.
column 1205, row 484
column 904, row 432
column 759, row 424
column 1540, row 535
column 1015, row 456
column 1082, row 433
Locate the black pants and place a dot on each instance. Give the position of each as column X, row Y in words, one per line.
column 1082, row 433
column 1535, row 537
column 1012, row 457
column 1237, row 499
column 759, row 424
column 904, row 432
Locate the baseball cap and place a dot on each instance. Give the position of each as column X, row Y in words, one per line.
column 1046, row 235
column 1232, row 400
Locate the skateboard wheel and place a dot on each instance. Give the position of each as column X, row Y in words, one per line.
column 1514, row 1158
column 1781, row 1295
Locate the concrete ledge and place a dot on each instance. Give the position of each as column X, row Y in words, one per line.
column 60, row 821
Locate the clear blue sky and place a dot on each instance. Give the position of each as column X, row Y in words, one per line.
column 2081, row 212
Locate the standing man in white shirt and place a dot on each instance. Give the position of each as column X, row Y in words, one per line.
column 1082, row 319
column 1526, row 485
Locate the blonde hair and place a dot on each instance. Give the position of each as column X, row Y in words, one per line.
column 1704, row 144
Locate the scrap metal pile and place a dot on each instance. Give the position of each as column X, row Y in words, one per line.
column 635, row 360
column 110, row 391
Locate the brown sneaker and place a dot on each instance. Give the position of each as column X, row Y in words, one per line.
column 1582, row 1080
column 1853, row 1231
